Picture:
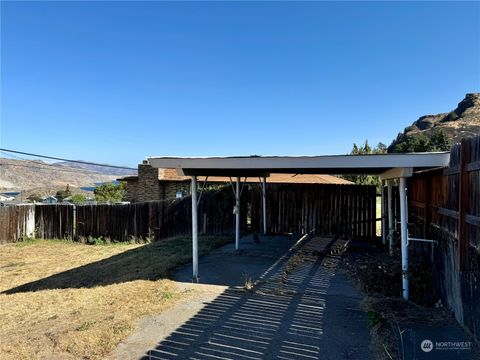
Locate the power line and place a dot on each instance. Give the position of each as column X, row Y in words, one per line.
column 68, row 160
column 54, row 168
column 45, row 166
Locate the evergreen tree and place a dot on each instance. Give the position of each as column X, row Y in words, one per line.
column 366, row 149
column 440, row 141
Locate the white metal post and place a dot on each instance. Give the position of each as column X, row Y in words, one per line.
column 404, row 234
column 194, row 228
column 237, row 214
column 390, row 216
column 383, row 213
column 264, row 203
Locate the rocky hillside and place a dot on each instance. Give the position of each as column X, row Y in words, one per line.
column 97, row 168
column 32, row 174
column 462, row 122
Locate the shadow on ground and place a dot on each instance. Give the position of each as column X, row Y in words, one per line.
column 148, row 262
column 310, row 312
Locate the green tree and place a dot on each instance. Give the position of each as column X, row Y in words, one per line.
column 440, row 141
column 110, row 192
column 78, row 199
column 35, row 198
column 366, row 149
column 62, row 194
column 419, row 142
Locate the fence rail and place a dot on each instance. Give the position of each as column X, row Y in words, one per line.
column 445, row 205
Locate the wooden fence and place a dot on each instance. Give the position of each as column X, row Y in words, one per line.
column 159, row 219
column 16, row 222
column 54, row 221
column 154, row 220
column 444, row 205
column 343, row 210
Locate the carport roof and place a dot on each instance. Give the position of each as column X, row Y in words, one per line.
column 326, row 164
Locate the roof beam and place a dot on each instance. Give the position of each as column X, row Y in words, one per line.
column 396, row 173
column 331, row 164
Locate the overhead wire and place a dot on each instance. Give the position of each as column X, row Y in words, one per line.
column 64, row 159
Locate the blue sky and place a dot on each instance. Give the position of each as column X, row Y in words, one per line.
column 118, row 81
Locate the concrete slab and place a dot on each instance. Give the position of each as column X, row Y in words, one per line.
column 312, row 313
column 225, row 266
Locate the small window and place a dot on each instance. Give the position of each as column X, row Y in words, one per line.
column 179, row 194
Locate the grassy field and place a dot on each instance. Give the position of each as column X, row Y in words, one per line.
column 64, row 300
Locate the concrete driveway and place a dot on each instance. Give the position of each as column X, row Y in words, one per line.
column 301, row 308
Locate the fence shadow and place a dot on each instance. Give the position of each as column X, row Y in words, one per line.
column 148, row 262
column 267, row 323
column 283, row 318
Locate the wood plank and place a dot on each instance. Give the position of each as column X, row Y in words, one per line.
column 448, row 212
column 417, row 204
column 472, row 220
column 463, row 203
column 428, row 211
column 473, row 166
column 452, row 170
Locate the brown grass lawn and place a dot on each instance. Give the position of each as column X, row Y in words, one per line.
column 64, row 300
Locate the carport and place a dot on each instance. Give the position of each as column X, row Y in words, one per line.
column 388, row 166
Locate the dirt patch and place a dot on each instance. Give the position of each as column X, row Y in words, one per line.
column 379, row 277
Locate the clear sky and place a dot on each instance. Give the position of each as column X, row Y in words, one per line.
column 119, row 81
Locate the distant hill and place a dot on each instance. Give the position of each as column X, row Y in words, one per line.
column 36, row 174
column 96, row 168
column 462, row 122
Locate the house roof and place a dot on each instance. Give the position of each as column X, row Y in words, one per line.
column 172, row 175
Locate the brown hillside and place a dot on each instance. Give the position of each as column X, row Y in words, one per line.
column 462, row 122
column 33, row 174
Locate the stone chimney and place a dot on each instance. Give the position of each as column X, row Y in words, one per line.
column 148, row 184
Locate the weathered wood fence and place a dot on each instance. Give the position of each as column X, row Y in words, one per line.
column 54, row 221
column 444, row 205
column 154, row 220
column 16, row 222
column 159, row 219
column 343, row 210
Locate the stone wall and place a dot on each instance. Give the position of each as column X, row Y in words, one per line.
column 147, row 187
column 132, row 190
column 171, row 187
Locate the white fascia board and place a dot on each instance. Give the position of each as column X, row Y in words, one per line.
column 396, row 173
column 383, row 161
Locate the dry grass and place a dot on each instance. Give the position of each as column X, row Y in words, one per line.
column 63, row 300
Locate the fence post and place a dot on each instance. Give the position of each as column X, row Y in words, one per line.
column 463, row 203
column 74, row 225
column 390, row 216
column 404, row 235
column 194, row 229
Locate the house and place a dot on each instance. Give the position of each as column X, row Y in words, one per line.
column 4, row 198
column 50, row 200
column 159, row 184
